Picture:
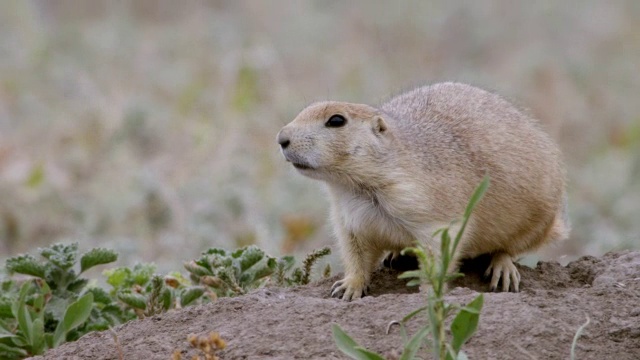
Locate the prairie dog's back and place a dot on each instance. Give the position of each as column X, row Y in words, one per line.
column 459, row 120
column 457, row 133
column 453, row 127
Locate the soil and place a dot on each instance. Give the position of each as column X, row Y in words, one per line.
column 295, row 323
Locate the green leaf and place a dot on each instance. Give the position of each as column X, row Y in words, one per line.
column 256, row 273
column 100, row 296
column 142, row 273
column 6, row 334
column 123, row 277
column 19, row 353
column 350, row 348
column 166, row 298
column 5, row 309
column 117, row 277
column 39, row 300
column 477, row 196
column 75, row 315
column 286, row 262
column 466, row 322
column 135, row 301
column 77, row 285
column 217, row 251
column 196, row 269
column 25, row 264
column 115, row 315
column 410, row 274
column 412, row 347
column 37, row 337
column 250, row 256
column 62, row 255
column 191, row 294
column 414, row 313
column 21, row 313
column 57, row 306
column 97, row 256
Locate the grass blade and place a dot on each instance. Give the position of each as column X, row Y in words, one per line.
column 475, row 198
column 577, row 336
column 412, row 347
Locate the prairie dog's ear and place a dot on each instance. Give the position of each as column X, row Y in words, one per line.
column 379, row 126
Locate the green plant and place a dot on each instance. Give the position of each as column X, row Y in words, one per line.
column 434, row 275
column 58, row 305
column 25, row 334
column 147, row 294
column 58, row 287
column 232, row 273
column 57, row 270
column 299, row 275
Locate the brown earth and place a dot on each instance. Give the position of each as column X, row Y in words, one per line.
column 537, row 323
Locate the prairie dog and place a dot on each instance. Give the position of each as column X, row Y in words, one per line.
column 399, row 172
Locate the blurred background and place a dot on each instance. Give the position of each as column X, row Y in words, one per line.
column 149, row 126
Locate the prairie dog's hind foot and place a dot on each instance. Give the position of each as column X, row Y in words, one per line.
column 502, row 267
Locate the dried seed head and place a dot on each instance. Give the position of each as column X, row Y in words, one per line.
column 176, row 355
column 171, row 281
column 193, row 340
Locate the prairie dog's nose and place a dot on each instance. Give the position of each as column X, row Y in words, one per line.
column 283, row 140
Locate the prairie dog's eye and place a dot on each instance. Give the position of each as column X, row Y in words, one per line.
column 336, row 121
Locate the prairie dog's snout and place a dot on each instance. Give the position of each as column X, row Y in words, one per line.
column 283, row 138
column 297, row 147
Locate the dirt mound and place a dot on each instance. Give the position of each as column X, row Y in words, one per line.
column 537, row 323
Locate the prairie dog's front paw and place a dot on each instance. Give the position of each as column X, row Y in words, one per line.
column 349, row 288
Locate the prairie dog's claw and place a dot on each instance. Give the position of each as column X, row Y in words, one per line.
column 349, row 289
column 502, row 267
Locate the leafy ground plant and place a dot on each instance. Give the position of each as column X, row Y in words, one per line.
column 232, row 273
column 61, row 268
column 433, row 275
column 36, row 314
column 139, row 289
column 56, row 304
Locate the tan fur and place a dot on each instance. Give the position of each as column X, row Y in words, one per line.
column 397, row 173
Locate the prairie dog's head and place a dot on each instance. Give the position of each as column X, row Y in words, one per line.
column 333, row 139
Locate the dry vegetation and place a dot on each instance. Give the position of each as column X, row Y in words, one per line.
column 148, row 126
